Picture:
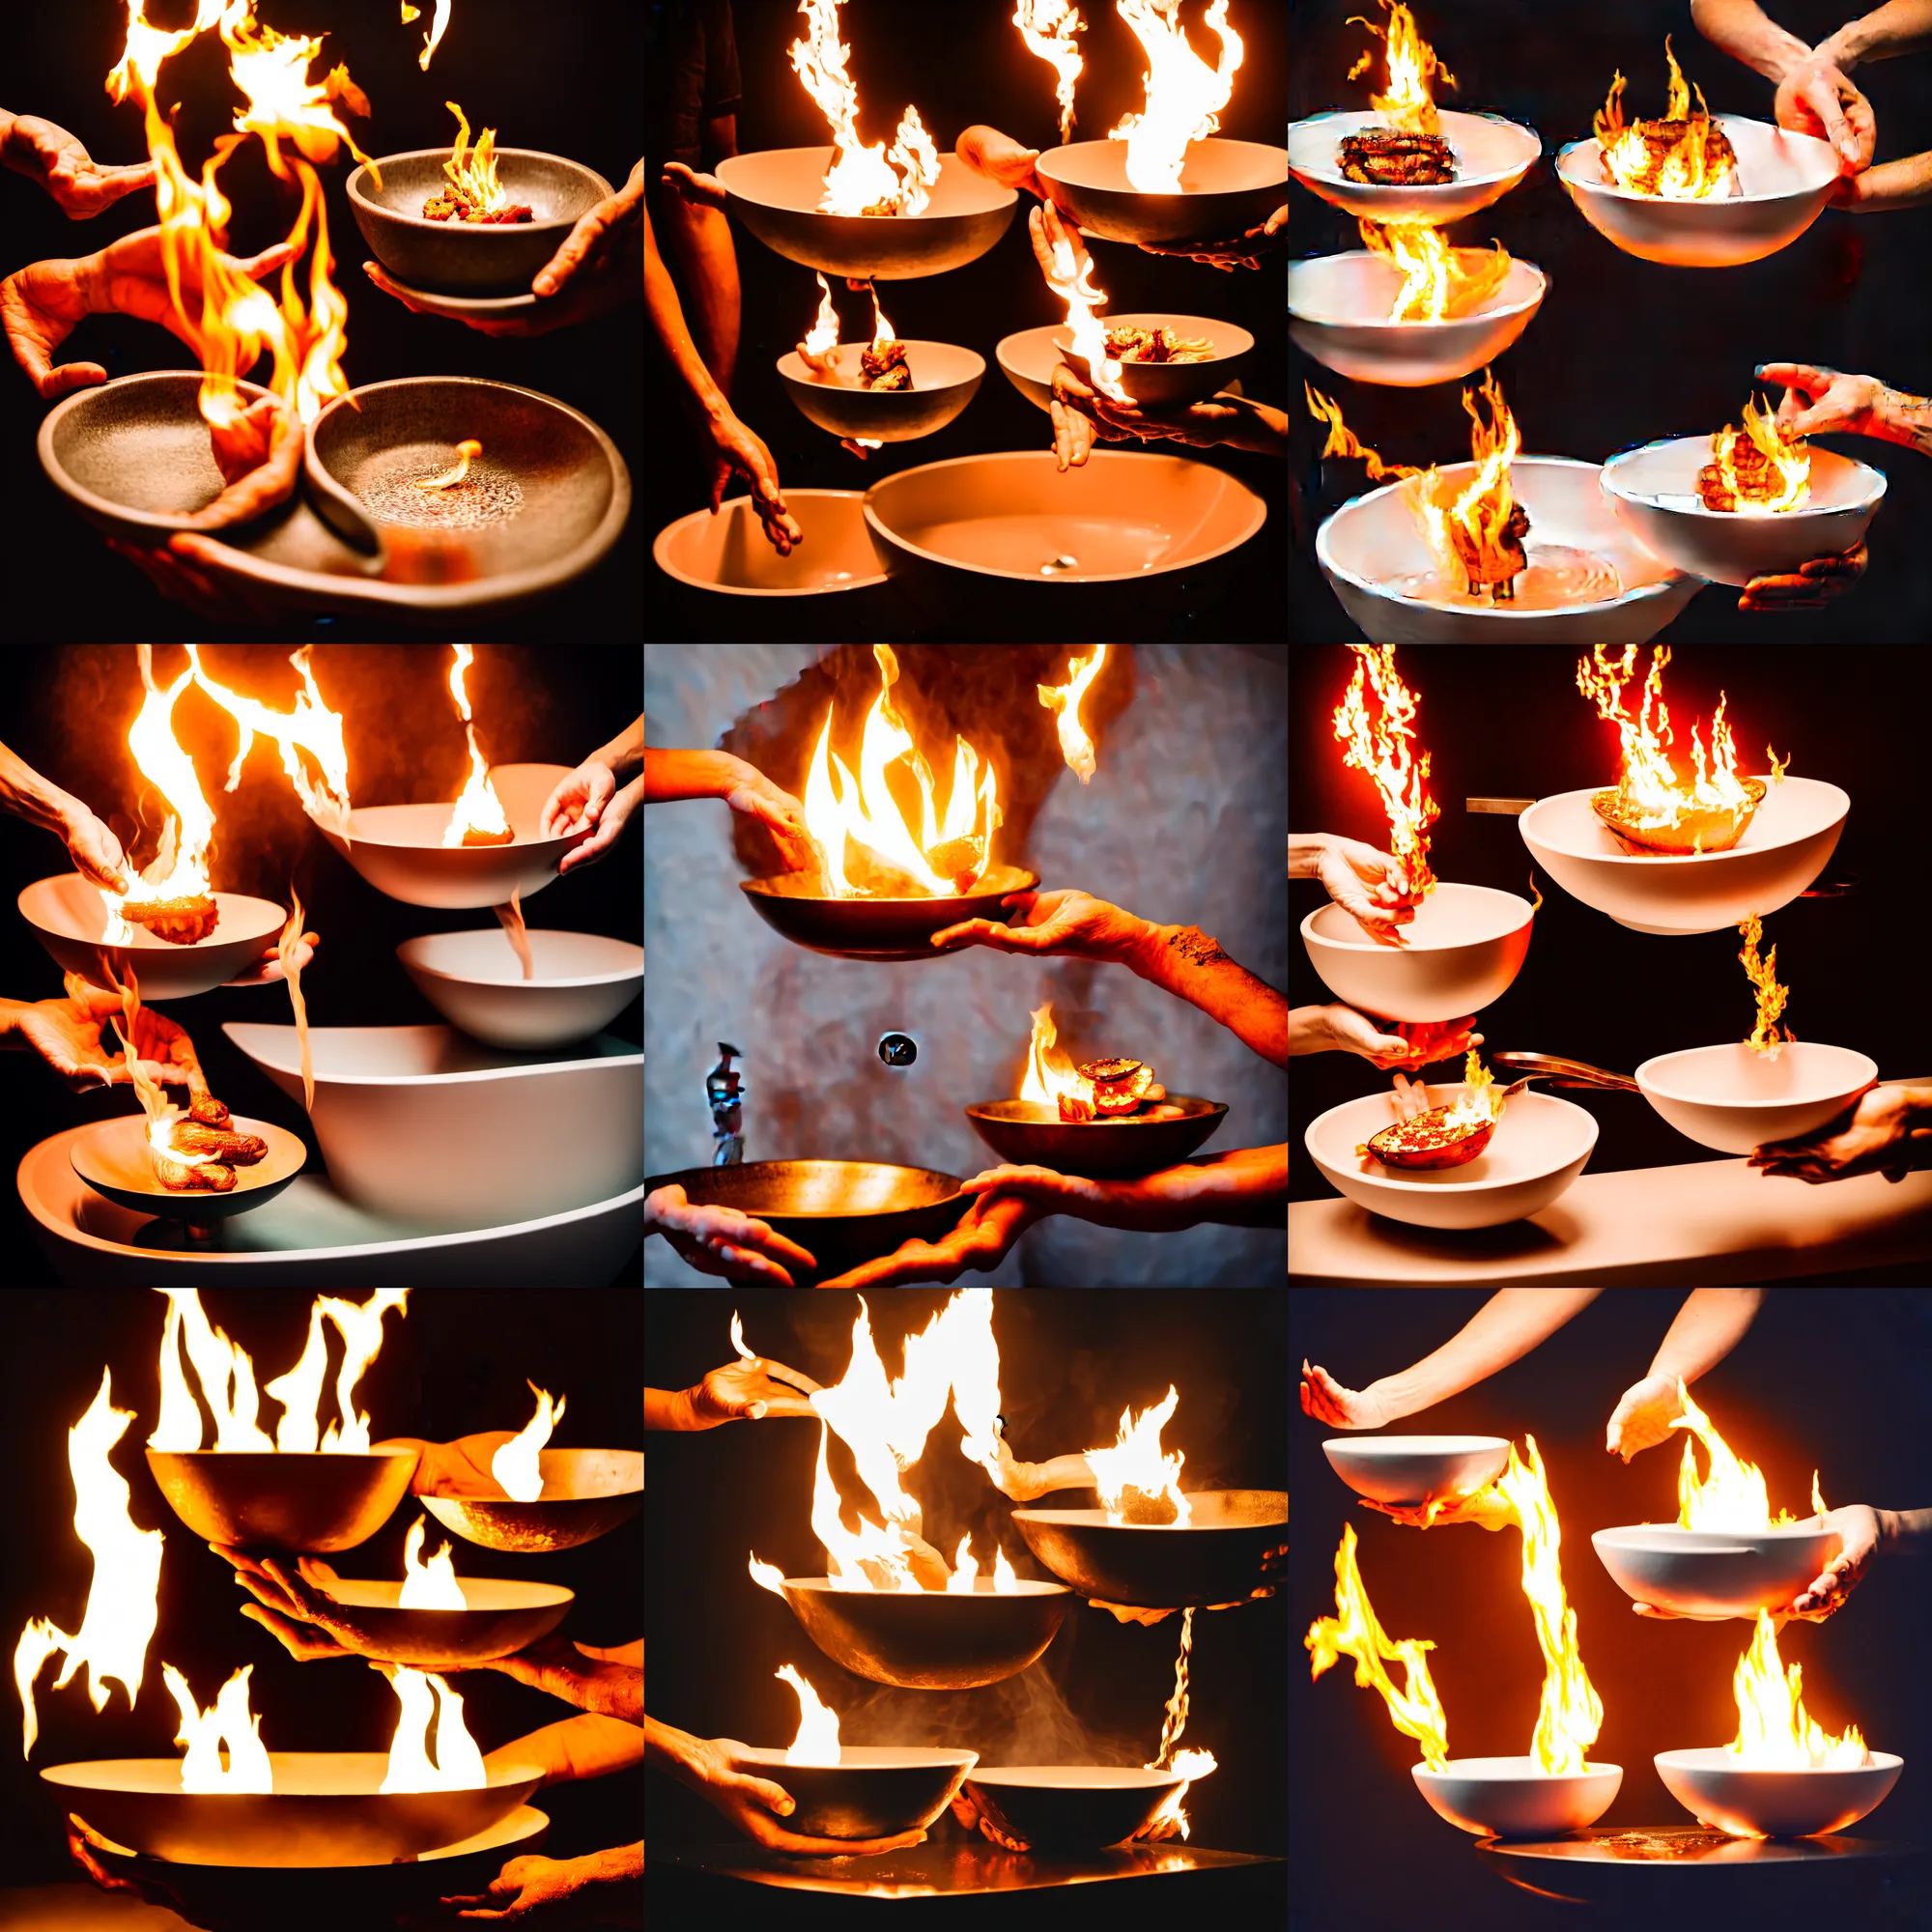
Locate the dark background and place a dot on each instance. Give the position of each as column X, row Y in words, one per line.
column 1838, row 1382
column 961, row 62
column 1624, row 351
column 455, row 1365
column 559, row 78
column 1064, row 1377
column 67, row 712
column 1510, row 723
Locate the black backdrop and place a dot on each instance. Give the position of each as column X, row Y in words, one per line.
column 961, row 62
column 1510, row 723
column 67, row 712
column 1834, row 1382
column 1624, row 350
column 454, row 1366
column 1070, row 1361
column 560, row 78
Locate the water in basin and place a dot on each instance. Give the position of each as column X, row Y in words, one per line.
column 1030, row 542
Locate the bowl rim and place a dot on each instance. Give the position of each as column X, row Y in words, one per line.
column 1082, row 1518
column 1508, row 312
column 919, row 1757
column 359, row 199
column 1724, row 1542
column 1611, row 193
column 344, row 1456
column 1678, row 1755
column 1004, row 197
column 662, row 545
column 1131, row 193
column 1651, row 1083
column 1341, row 180
column 1165, row 318
column 121, row 1192
column 635, row 970
column 1014, row 1777
column 982, row 1589
column 1365, row 946
column 1490, row 1183
column 1876, row 483
column 931, row 389
column 1439, row 1445
column 1198, row 1108
column 434, row 1080
column 1677, row 859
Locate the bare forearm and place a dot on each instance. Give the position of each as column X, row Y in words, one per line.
column 672, row 775
column 28, row 795
column 1710, row 1324
column 1742, row 28
column 1905, row 1532
column 625, row 752
column 596, row 1747
column 1901, row 183
column 1899, row 27
column 1183, row 960
column 1246, row 1187
column 1305, row 852
column 1260, row 428
column 667, row 315
column 668, row 1408
column 1507, row 1327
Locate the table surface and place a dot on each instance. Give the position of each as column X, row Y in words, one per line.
column 1710, row 1221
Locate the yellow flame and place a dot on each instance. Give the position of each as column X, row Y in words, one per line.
column 459, row 1765
column 1469, row 526
column 1063, row 699
column 1137, row 1462
column 1383, row 745
column 515, row 1464
column 434, row 37
column 1679, row 161
column 817, row 1740
column 1409, row 104
column 1072, row 280
column 823, row 337
column 472, row 172
column 477, row 807
column 1048, row 28
column 1480, row 1104
column 1188, row 1764
column 229, row 1721
column 1184, row 94
column 1782, row 482
column 1343, row 442
column 1732, row 1495
column 1650, row 794
column 1774, row 1730
column 1005, row 1582
column 861, row 179
column 430, row 1586
column 767, row 1576
column 288, row 949
column 1051, row 1077
column 311, row 726
column 965, row 1568
column 447, row 479
column 1439, row 283
column 738, row 1347
column 1771, row 996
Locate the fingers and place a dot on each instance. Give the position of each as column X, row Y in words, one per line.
column 1655, row 1614
column 378, row 274
column 1806, row 377
column 1821, row 96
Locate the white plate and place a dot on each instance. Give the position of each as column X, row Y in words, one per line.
column 1459, row 952
column 1409, row 1470
column 1710, row 1575
column 1492, row 155
column 474, row 979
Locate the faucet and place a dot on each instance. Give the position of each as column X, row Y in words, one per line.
column 724, row 1095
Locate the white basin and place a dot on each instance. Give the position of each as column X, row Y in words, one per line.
column 1409, row 1470
column 1492, row 155
column 474, row 979
column 67, row 917
column 1710, row 1575
column 1799, row 1803
column 429, row 1129
column 1461, row 950
column 729, row 555
column 1512, row 1798
column 1734, row 1099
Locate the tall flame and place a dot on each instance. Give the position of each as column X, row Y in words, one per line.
column 1184, row 94
column 1683, row 157
column 1774, row 1730
column 1777, row 471
column 1052, row 1080
column 1136, row 1479
column 822, row 338
column 515, row 1464
column 459, row 1765
column 862, row 180
column 1771, row 996
column 229, row 1721
column 430, row 1586
column 1063, row 699
column 434, row 37
column 1439, row 283
column 1072, row 280
column 1188, row 1764
column 478, row 810
column 1732, row 1496
column 1476, row 527
column 1048, row 28
column 1383, row 745
column 1409, row 104
column 321, row 780
column 472, row 172
column 1343, row 442
column 817, row 1740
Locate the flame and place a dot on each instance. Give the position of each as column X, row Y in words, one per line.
column 1482, row 1101
column 742, row 1354
column 431, row 1585
column 478, row 809
column 229, row 1721
column 1684, row 156
column 1409, row 103
column 1774, row 1730
column 1439, row 283
column 1416, row 1709
column 515, row 1464
column 1383, row 746
column 1189, row 1763
column 1771, row 996
column 1137, row 1464
column 1475, row 528
column 434, row 37
column 861, row 179
column 1184, row 94
column 472, row 172
column 287, row 949
column 882, row 328
column 1048, row 28
column 311, row 728
column 1072, row 281
column 1005, row 1582
column 1051, row 1077
column 1777, row 471
column 360, row 1326
column 965, row 1566
column 1075, row 746
column 1343, row 440
column 161, row 1111
column 459, row 1765
column 457, row 470
column 823, row 337
column 767, row 1576
column 119, row 1620
column 1732, row 1495
column 949, row 857
column 817, row 1740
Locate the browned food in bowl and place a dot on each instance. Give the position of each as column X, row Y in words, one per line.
column 1389, row 158
column 180, row 921
column 1430, row 1139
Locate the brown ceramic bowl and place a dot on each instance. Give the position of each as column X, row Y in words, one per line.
column 1031, row 1134
column 276, row 1499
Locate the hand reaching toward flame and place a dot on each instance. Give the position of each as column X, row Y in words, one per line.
column 49, row 155
column 999, row 158
column 1369, row 885
column 1887, row 1130
column 260, row 458
column 1075, row 428
column 1224, row 420
column 1857, row 1528
column 741, row 1392
column 976, row 1245
column 94, row 850
column 67, row 1035
column 588, row 246
column 701, row 190
column 1817, row 97
column 1325, row 1399
column 1066, row 921
column 722, row 1240
column 1643, row 1417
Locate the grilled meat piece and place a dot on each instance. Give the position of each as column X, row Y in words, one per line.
column 1496, row 578
column 1160, row 344
column 449, row 207
column 474, row 837
column 1428, row 1141
column 1755, row 472
column 1661, row 140
column 213, row 1177
column 883, row 366
column 180, row 921
column 236, row 1150
column 1119, row 1085
column 1146, row 1506
column 1391, row 157
column 210, row 1112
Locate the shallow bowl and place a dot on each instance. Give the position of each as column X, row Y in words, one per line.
column 945, row 379
column 1373, row 539
column 1028, row 359
column 587, row 1492
column 281, row 1499
column 874, row 1792
column 112, row 1158
column 1162, row 385
column 1461, row 950
column 1786, row 178
column 1712, row 1785
column 1084, row 1807
column 1791, row 837
column 1409, row 1470
column 1228, row 188
column 1031, row 1134
column 1511, row 1798
column 1540, row 1146
column 470, row 257
column 1493, row 155
column 1338, row 313
column 499, row 1618
column 67, row 917
column 1217, row 1557
column 1734, row 1099
column 583, row 980
column 1710, row 1575
column 1653, row 492
column 930, row 1639
column 792, row 904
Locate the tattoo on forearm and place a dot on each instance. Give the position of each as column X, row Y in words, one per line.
column 1913, row 414
column 1195, row 947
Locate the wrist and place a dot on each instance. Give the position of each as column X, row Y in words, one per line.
column 1781, row 55
column 1306, row 852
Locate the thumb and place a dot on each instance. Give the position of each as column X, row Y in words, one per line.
column 770, row 1796
column 721, row 474
column 69, row 377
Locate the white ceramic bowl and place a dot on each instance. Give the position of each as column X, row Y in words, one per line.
column 1228, row 188
column 1541, row 1144
column 419, row 1125
column 1338, row 312
column 1712, row 1785
column 1492, row 155
column 1652, row 491
column 68, row 918
column 1409, row 1470
column 945, row 379
column 1511, row 1798
column 1373, row 538
column 1790, row 837
column 1711, row 1575
column 727, row 554
column 474, row 979
column 1160, row 385
column 1461, row 950
column 113, row 1159
column 1786, row 180
column 1733, row 1099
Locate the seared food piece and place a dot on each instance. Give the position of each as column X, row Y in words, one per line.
column 1430, row 1139
column 236, row 1150
column 1494, row 571
column 1126, row 344
column 474, row 837
column 883, row 366
column 1146, row 1506
column 1662, row 141
column 212, row 1178
column 1389, row 158
column 962, row 860
column 207, row 1110
column 449, row 206
column 1757, row 477
column 180, row 921
column 1695, row 828
column 1119, row 1085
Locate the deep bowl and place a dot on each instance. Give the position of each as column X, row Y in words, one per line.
column 1162, row 385
column 1711, row 1575
column 281, row 1499
column 587, row 1492
column 945, row 379
column 1372, row 540
column 930, row 1639
column 1712, row 1785
column 1409, row 1470
column 1338, row 313
column 112, row 1158
column 1786, row 178
column 470, row 257
column 69, row 916
column 792, row 904
column 1030, row 1134
column 1734, row 1099
column 499, row 1618
column 1511, row 1798
column 1217, row 1557
column 1493, row 155
column 1084, row 1807
column 1787, row 844
column 1463, row 949
column 1228, row 188
column 1653, row 492
column 583, row 980
column 874, row 1792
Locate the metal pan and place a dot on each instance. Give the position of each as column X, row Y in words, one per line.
column 930, row 1639
column 1031, row 1134
column 1216, row 1558
column 793, row 907
column 840, row 1212
column 872, row 1791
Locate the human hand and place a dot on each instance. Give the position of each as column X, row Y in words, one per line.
column 589, row 246
column 980, row 1240
column 1369, row 885
column 1817, row 97
column 987, row 151
column 1067, row 923
column 271, row 967
column 741, row 1390
column 710, row 1767
column 94, row 850
column 1325, row 1399
column 293, row 1605
column 987, row 1820
column 1240, row 252
column 755, row 795
column 1050, row 233
column 1642, row 1419
column 722, row 1240
column 737, row 450
column 1817, row 401
column 1337, row 1026
column 75, row 1035
column 1874, row 1135
column 611, row 820
column 598, row 1889
column 701, row 190
column 1204, row 424
column 260, row 458
column 583, row 799
column 1857, row 1524
column 1811, row 586
column 114, row 1870
column 49, row 155
column 206, row 577
column 1070, row 405
column 459, row 1468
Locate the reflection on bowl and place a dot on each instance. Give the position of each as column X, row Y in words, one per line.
column 1409, row 1470
column 1070, row 1804
column 874, row 1791
column 1492, row 155
column 930, row 1639
column 1710, row 1575
column 1733, row 1098
column 1460, row 952
column 283, row 1499
column 474, row 979
column 1514, row 1797
column 1715, row 1789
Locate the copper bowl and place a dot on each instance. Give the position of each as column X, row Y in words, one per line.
column 587, row 1494
column 499, row 1618
column 277, row 1499
column 930, row 1639
column 875, row 928
column 1032, row 1134
column 874, row 1791
column 1216, row 1558
column 1705, row 831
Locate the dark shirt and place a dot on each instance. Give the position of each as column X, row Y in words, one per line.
column 691, row 76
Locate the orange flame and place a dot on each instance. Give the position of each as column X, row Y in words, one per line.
column 1343, row 440
column 817, row 1740
column 434, row 37
column 1774, row 1730
column 815, row 351
column 1189, row 1763
column 457, row 470
column 1184, row 94
column 1136, row 1467
column 1439, row 283
column 1383, row 747
column 478, row 810
column 1075, row 746
column 1683, row 157
column 1771, row 996
column 1732, row 1497
column 472, row 172
column 229, row 1721
column 1048, row 28
column 1051, row 1077
column 1776, row 473
column 311, row 728
column 862, row 179
column 1476, row 529
column 1409, row 103
column 459, row 1765
column 1072, row 280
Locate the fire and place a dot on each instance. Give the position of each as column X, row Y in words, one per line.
column 311, row 728
column 823, row 337
column 459, row 1765
column 817, row 1740
column 229, row 1721
column 472, row 172
column 1383, row 746
column 287, row 946
column 119, row 1620
column 1051, row 1077
column 1774, row 1730
column 1482, row 1101
column 767, row 1576
column 1137, row 1481
column 1072, row 281
column 1476, row 529
column 1409, row 104
column 949, row 857
column 1732, row 1495
column 1063, row 699
column 1189, row 1763
column 1184, row 94
column 431, row 1585
column 1439, row 283
column 434, row 37
column 1048, row 28
column 478, row 817
column 862, row 179
column 1771, row 996
column 1684, row 156
column 1416, row 1709
column 1757, row 470
column 456, row 472
column 515, row 1464
column 1343, row 442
